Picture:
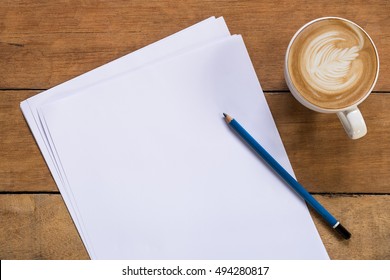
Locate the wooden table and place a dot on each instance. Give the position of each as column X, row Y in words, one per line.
column 42, row 45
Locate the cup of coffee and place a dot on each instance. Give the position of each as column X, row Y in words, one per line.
column 331, row 66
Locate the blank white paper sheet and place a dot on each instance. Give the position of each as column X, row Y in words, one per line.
column 149, row 169
column 200, row 33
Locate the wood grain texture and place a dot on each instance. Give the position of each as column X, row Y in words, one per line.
column 323, row 157
column 367, row 217
column 22, row 167
column 44, row 43
column 39, row 227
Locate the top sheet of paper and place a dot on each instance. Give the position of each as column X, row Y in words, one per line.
column 157, row 174
column 198, row 34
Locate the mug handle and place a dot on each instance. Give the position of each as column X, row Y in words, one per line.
column 353, row 123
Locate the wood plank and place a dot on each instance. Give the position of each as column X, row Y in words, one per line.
column 44, row 44
column 22, row 167
column 367, row 217
column 39, row 227
column 323, row 158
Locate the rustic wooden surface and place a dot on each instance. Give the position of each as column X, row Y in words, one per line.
column 44, row 44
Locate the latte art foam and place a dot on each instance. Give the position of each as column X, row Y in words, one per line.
column 330, row 67
column 332, row 64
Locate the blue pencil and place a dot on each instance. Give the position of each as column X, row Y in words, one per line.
column 297, row 187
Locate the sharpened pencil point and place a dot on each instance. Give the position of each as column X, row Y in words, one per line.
column 228, row 118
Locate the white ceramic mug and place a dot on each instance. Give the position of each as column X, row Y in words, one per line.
column 350, row 117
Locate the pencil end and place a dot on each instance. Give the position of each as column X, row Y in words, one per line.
column 343, row 231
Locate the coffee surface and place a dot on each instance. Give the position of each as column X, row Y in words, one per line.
column 332, row 63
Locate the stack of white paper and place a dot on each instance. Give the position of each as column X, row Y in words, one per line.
column 149, row 170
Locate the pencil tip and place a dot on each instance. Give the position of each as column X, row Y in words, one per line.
column 228, row 118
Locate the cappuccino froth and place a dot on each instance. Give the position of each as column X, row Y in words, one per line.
column 329, row 67
column 332, row 64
